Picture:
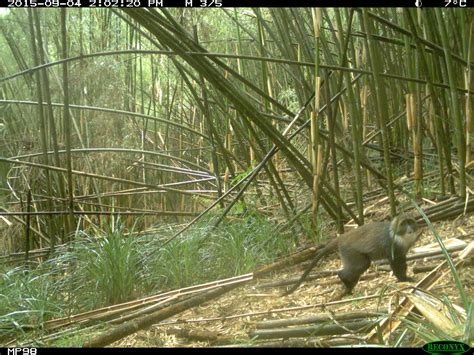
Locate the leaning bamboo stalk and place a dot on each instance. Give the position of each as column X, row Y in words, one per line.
column 237, row 57
column 117, row 113
column 299, row 343
column 331, row 122
column 101, row 213
column 352, row 108
column 109, row 178
column 177, row 169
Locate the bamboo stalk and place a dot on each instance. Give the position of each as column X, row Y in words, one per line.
column 382, row 114
column 67, row 130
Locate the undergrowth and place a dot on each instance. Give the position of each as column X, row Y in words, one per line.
column 111, row 266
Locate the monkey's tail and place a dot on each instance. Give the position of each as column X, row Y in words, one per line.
column 330, row 247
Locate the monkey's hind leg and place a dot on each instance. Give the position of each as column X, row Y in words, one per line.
column 355, row 264
column 340, row 294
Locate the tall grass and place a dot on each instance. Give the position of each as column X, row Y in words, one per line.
column 27, row 299
column 205, row 254
column 107, row 267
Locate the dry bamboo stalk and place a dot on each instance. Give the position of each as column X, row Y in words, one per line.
column 319, row 330
column 316, row 148
column 132, row 305
column 141, row 311
column 365, row 119
column 299, row 343
column 135, row 325
column 314, row 163
column 211, row 337
column 286, row 282
column 278, row 310
column 316, row 185
column 322, row 318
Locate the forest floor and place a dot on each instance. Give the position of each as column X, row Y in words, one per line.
column 230, row 319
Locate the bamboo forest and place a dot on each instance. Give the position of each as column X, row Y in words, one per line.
column 236, row 177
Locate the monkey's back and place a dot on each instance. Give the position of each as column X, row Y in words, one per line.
column 369, row 239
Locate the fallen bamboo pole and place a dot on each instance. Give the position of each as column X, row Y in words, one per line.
column 322, row 318
column 135, row 325
column 318, row 330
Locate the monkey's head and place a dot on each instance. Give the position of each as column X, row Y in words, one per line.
column 404, row 230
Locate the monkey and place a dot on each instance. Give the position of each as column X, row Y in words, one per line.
column 373, row 241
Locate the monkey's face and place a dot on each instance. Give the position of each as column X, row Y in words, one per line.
column 407, row 231
column 407, row 226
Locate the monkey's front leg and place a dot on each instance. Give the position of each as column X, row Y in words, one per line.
column 399, row 267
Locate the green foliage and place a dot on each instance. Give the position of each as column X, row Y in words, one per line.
column 107, row 267
column 249, row 242
column 203, row 254
column 27, row 298
column 240, row 176
column 289, row 98
column 308, row 229
column 93, row 272
column 178, row 263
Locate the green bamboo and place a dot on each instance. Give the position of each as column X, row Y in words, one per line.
column 382, row 114
column 67, row 128
column 51, row 232
column 454, row 104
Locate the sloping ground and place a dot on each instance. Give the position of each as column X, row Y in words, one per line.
column 230, row 319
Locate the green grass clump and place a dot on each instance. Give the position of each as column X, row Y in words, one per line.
column 27, row 299
column 107, row 268
column 205, row 254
